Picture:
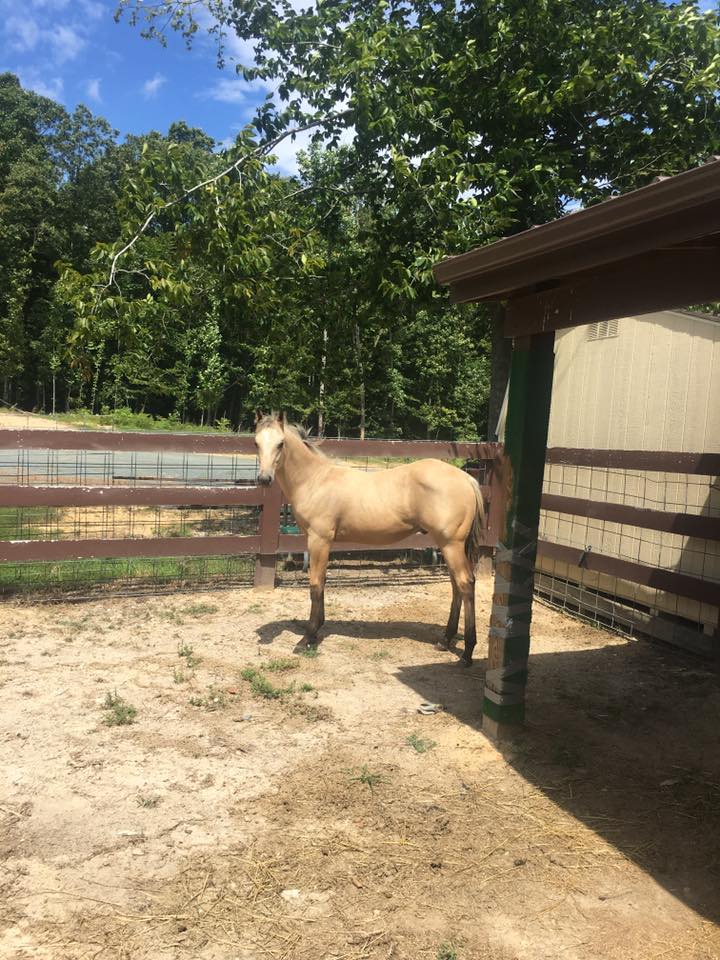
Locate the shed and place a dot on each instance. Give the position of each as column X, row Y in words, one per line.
column 653, row 249
column 644, row 383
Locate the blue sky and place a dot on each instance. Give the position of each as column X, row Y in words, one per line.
column 74, row 52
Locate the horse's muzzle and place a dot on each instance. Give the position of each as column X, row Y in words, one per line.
column 264, row 479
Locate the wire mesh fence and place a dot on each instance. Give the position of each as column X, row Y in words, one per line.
column 33, row 467
column 628, row 607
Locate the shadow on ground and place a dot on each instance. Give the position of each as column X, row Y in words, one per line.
column 359, row 630
column 626, row 738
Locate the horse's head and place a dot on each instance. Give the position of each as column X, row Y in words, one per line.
column 269, row 440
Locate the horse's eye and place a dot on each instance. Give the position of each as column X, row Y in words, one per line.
column 281, row 445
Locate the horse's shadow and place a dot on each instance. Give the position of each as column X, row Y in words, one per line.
column 428, row 633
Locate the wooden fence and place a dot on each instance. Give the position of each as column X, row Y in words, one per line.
column 270, row 541
column 266, row 544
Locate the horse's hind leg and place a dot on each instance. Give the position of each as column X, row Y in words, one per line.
column 463, row 577
column 453, row 619
column 319, row 550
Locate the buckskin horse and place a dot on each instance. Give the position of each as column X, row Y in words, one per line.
column 336, row 503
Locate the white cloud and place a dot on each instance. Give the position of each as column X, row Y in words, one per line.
column 227, row 90
column 152, row 86
column 92, row 89
column 23, row 32
column 50, row 4
column 66, row 42
column 93, row 9
column 51, row 87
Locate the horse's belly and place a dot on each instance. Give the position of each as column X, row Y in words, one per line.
column 373, row 534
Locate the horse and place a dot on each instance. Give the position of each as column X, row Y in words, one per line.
column 336, row 503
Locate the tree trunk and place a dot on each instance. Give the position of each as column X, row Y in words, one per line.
column 361, row 372
column 321, row 391
column 54, row 392
column 499, row 372
column 362, row 409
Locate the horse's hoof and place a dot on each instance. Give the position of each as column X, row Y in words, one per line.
column 442, row 645
column 466, row 661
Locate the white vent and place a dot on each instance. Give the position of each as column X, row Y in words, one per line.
column 602, row 330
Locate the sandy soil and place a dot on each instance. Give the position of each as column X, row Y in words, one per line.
column 12, row 420
column 227, row 825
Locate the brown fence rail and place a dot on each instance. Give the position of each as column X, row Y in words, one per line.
column 270, row 540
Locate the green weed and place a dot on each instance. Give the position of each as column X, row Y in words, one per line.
column 118, row 712
column 148, row 802
column 199, row 609
column 214, row 699
column 186, row 652
column 419, row 744
column 261, row 686
column 282, row 664
column 369, row 778
column 309, row 652
column 447, row 952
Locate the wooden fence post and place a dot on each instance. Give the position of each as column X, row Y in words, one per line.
column 528, row 414
column 498, row 500
column 269, row 531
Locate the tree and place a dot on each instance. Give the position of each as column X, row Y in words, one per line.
column 490, row 116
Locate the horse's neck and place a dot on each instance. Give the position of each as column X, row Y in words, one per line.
column 298, row 467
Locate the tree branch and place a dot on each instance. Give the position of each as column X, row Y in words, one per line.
column 262, row 150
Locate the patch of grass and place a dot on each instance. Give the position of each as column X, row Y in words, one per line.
column 200, row 609
column 70, row 575
column 125, row 419
column 367, row 777
column 118, row 712
column 186, row 652
column 380, row 655
column 261, row 686
column 148, row 802
column 282, row 664
column 419, row 744
column 310, row 652
column 173, row 616
column 306, row 688
column 447, row 951
column 214, row 699
column 179, row 675
column 29, row 523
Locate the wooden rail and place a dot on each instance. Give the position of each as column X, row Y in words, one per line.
column 266, row 544
column 270, row 541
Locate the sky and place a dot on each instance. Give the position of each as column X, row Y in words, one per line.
column 74, row 52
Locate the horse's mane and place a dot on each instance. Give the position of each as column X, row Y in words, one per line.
column 302, row 433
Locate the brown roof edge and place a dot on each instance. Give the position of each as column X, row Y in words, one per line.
column 659, row 199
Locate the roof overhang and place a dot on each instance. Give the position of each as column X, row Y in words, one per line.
column 654, row 248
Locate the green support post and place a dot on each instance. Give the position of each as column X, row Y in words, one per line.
column 531, row 375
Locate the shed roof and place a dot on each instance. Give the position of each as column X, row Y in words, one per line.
column 645, row 235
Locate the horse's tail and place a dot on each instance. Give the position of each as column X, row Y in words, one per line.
column 475, row 539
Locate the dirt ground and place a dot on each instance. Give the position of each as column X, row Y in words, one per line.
column 306, row 810
column 16, row 420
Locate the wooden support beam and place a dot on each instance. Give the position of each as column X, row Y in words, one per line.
column 531, row 375
column 654, row 281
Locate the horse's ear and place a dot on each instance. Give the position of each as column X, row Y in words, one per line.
column 258, row 416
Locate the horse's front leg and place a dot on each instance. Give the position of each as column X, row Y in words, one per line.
column 319, row 550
